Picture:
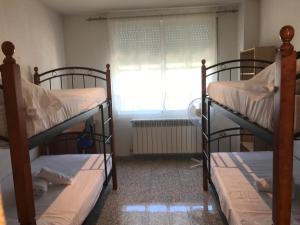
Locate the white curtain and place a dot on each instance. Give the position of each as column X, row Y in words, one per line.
column 157, row 63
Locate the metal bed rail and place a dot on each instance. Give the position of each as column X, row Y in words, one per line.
column 230, row 68
column 70, row 77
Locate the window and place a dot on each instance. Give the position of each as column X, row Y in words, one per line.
column 157, row 62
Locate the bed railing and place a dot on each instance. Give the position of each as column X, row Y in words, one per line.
column 70, row 77
column 229, row 133
column 231, row 67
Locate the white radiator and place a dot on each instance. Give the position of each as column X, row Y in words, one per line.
column 165, row 137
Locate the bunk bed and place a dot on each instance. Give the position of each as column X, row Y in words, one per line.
column 33, row 116
column 268, row 112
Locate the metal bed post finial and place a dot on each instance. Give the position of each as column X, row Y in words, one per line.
column 203, row 61
column 203, row 71
column 36, row 77
column 287, row 34
column 108, row 81
column 8, row 50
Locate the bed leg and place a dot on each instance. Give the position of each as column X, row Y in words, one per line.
column 114, row 173
column 204, row 145
column 205, row 175
column 111, row 128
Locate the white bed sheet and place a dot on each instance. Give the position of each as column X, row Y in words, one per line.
column 253, row 98
column 72, row 101
column 62, row 204
column 234, row 175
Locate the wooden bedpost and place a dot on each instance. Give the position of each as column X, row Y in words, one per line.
column 19, row 152
column 36, row 77
column 111, row 127
column 204, row 142
column 285, row 82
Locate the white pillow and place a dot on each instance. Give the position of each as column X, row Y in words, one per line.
column 40, row 186
column 54, row 177
column 35, row 98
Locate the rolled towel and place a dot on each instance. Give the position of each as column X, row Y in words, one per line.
column 54, row 177
column 40, row 186
column 32, row 112
column 264, row 184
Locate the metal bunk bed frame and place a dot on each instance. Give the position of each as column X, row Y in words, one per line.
column 20, row 145
column 283, row 136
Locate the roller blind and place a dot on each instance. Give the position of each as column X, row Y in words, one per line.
column 157, row 62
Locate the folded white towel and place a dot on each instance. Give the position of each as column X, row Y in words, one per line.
column 40, row 186
column 54, row 177
column 264, row 184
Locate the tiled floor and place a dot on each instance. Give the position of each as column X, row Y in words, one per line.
column 156, row 192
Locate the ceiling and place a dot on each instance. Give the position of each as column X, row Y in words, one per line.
column 77, row 7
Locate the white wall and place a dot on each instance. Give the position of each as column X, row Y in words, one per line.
column 227, row 49
column 87, row 44
column 275, row 14
column 228, row 36
column 248, row 24
column 37, row 33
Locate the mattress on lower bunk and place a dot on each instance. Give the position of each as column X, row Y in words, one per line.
column 68, row 103
column 62, row 204
column 234, row 176
column 252, row 98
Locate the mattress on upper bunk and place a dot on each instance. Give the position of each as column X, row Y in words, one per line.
column 62, row 204
column 234, row 176
column 45, row 109
column 252, row 98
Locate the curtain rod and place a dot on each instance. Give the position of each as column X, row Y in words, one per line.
column 171, row 14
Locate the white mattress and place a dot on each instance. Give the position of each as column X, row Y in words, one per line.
column 234, row 175
column 71, row 102
column 253, row 98
column 62, row 204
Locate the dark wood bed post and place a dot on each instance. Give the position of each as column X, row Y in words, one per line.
column 284, row 129
column 19, row 152
column 204, row 144
column 111, row 127
column 36, row 77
